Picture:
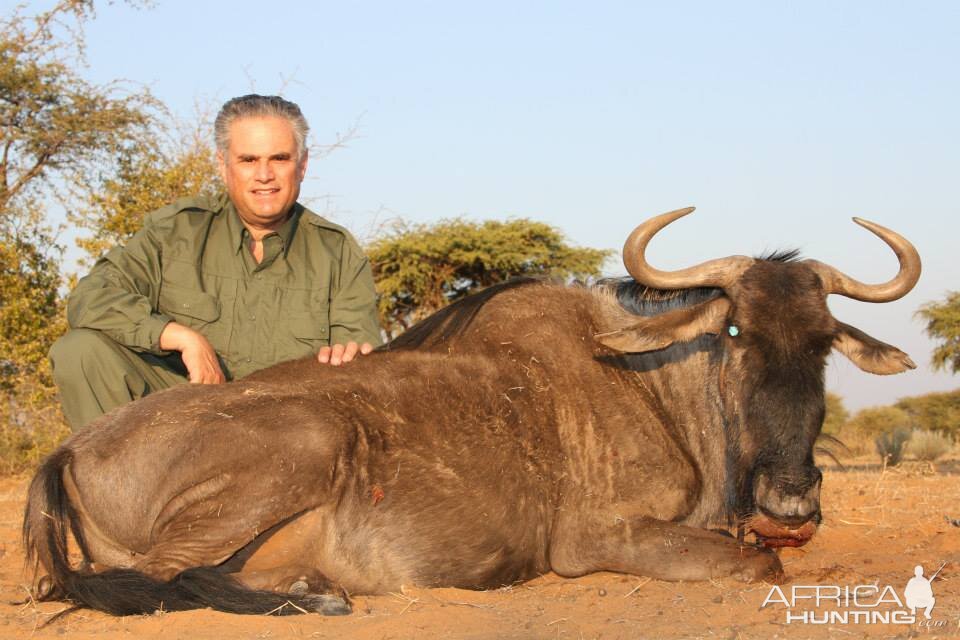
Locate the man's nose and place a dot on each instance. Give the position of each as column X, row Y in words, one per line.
column 264, row 173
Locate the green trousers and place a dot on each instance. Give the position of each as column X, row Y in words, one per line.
column 95, row 374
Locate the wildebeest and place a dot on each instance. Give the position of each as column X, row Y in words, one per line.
column 531, row 427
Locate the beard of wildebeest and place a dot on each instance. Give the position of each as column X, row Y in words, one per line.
column 773, row 388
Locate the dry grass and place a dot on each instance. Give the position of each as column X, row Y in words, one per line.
column 929, row 445
column 853, row 444
column 858, row 449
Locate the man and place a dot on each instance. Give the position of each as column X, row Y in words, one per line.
column 212, row 289
column 918, row 592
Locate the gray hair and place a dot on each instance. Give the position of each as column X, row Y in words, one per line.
column 257, row 106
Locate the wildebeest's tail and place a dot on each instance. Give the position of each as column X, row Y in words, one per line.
column 46, row 521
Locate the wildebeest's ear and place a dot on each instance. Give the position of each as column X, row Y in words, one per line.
column 680, row 325
column 870, row 354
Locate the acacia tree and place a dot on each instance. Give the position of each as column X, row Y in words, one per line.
column 943, row 325
column 421, row 268
column 938, row 412
column 58, row 129
column 58, row 133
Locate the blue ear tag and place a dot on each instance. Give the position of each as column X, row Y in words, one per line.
column 733, row 330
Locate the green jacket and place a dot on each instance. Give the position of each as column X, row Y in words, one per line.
column 190, row 263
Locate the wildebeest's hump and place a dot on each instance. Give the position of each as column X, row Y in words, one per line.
column 452, row 320
column 501, row 315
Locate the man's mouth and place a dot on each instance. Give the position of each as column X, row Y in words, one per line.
column 265, row 192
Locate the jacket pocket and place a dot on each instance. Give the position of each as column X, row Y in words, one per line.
column 309, row 328
column 188, row 306
column 304, row 326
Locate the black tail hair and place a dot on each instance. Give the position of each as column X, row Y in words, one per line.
column 126, row 591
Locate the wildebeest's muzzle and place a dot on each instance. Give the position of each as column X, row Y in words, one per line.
column 787, row 506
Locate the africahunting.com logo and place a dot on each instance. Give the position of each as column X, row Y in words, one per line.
column 859, row 604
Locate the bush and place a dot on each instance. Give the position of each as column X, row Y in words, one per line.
column 928, row 445
column 874, row 421
column 31, row 426
column 934, row 411
column 891, row 446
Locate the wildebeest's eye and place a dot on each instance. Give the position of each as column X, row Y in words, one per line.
column 733, row 330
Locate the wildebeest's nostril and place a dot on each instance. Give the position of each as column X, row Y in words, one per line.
column 786, row 501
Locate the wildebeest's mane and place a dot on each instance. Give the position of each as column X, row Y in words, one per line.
column 642, row 300
column 780, row 255
column 451, row 320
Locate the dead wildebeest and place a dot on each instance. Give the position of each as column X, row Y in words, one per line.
column 529, row 428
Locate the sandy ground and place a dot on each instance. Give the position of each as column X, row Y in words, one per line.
column 877, row 526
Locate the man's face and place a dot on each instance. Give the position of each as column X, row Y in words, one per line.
column 262, row 171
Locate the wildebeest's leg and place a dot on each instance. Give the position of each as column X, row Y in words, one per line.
column 185, row 558
column 309, row 584
column 663, row 550
column 279, row 560
column 146, row 586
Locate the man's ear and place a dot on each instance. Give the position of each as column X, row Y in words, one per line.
column 680, row 325
column 302, row 169
column 870, row 354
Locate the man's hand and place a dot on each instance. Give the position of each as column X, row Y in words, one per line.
column 198, row 356
column 339, row 353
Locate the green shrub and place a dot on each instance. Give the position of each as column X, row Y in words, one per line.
column 891, row 446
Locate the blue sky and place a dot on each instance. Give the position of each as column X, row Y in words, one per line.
column 779, row 121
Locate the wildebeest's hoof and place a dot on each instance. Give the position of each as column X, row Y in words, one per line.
column 328, row 604
column 299, row 588
column 759, row 565
column 44, row 589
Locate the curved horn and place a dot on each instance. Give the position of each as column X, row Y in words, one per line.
column 835, row 281
column 713, row 273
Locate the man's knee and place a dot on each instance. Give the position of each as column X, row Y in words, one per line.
column 93, row 374
column 78, row 349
